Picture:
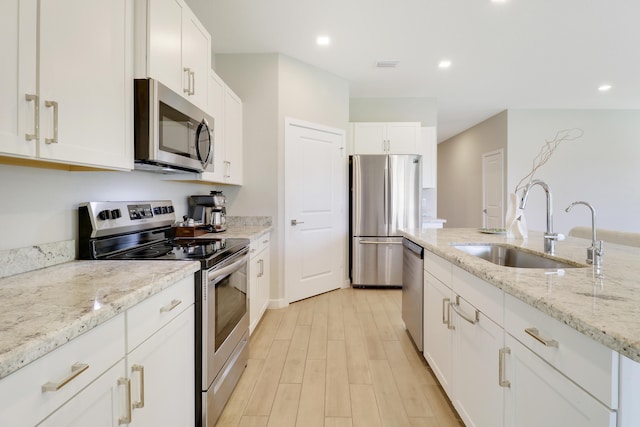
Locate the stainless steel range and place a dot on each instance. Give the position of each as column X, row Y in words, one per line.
column 143, row 230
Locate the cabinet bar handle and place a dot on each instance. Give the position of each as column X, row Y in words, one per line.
column 455, row 306
column 54, row 105
column 187, row 89
column 173, row 304
column 261, row 261
column 446, row 313
column 140, row 403
column 76, row 369
column 36, row 117
column 192, row 82
column 536, row 335
column 501, row 367
column 228, row 169
column 127, row 418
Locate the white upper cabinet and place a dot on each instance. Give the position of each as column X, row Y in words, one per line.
column 386, row 138
column 82, row 111
column 233, row 138
column 429, row 150
column 216, row 109
column 226, row 109
column 18, row 22
column 173, row 47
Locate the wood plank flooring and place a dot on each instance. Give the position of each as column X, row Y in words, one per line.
column 341, row 359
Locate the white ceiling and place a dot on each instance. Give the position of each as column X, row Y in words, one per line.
column 516, row 54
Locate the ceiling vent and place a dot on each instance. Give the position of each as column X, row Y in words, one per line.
column 387, row 64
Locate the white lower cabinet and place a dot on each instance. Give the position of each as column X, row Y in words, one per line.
column 539, row 395
column 101, row 404
column 477, row 340
column 102, row 379
column 33, row 393
column 161, row 358
column 162, row 375
column 437, row 334
column 505, row 363
column 259, row 282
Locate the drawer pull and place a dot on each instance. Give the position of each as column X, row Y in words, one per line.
column 536, row 335
column 140, row 403
column 127, row 418
column 173, row 304
column 501, row 369
column 76, row 369
column 456, row 307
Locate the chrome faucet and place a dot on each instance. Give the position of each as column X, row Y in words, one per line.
column 595, row 252
column 549, row 236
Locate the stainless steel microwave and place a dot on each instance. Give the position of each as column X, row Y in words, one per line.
column 170, row 133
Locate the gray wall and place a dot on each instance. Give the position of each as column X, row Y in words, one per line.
column 273, row 87
column 460, row 171
column 601, row 167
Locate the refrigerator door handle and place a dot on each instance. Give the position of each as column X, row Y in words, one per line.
column 370, row 242
column 385, row 200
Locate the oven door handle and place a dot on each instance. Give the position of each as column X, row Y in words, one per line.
column 224, row 271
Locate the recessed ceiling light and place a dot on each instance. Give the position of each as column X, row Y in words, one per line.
column 604, row 88
column 323, row 40
column 445, row 63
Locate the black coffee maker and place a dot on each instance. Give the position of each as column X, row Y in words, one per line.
column 209, row 210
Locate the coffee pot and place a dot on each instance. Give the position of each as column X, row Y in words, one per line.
column 209, row 210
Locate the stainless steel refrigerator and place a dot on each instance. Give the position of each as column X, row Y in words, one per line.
column 385, row 196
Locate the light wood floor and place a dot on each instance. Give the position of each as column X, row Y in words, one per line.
column 339, row 359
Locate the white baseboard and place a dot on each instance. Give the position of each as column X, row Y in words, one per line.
column 278, row 303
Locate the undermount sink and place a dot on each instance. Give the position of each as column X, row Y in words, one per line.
column 511, row 256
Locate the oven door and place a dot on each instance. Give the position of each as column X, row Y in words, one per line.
column 225, row 318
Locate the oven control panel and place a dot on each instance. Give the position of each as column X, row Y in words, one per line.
column 107, row 218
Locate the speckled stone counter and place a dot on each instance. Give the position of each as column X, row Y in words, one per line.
column 43, row 309
column 603, row 304
column 239, row 231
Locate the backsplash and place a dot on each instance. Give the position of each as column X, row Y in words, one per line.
column 249, row 221
column 21, row 260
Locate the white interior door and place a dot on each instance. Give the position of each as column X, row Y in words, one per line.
column 492, row 189
column 315, row 218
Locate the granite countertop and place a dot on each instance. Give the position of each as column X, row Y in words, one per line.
column 603, row 303
column 43, row 309
column 239, row 231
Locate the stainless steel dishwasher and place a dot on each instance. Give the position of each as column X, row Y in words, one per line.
column 413, row 289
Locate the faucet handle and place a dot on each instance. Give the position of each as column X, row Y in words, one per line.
column 594, row 253
column 554, row 236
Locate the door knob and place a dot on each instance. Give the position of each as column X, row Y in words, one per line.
column 484, row 211
column 296, row 222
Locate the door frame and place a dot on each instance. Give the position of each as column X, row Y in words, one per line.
column 284, row 218
column 499, row 151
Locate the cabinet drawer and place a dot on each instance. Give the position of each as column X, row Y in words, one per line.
column 24, row 402
column 155, row 312
column 258, row 244
column 438, row 267
column 589, row 364
column 482, row 295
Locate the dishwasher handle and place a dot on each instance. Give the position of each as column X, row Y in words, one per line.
column 414, row 248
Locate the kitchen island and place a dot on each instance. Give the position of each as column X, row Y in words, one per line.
column 603, row 304
column 565, row 339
